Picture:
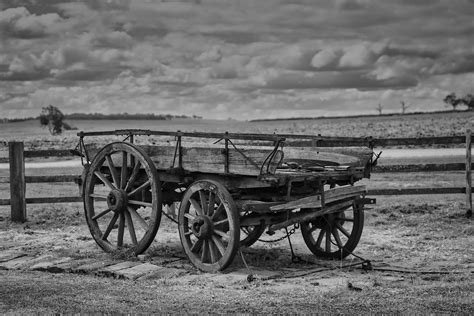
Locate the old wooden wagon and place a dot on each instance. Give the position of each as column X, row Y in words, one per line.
column 230, row 189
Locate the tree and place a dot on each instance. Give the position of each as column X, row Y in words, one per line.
column 52, row 117
column 379, row 108
column 468, row 100
column 404, row 106
column 452, row 100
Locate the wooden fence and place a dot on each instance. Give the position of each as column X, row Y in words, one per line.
column 17, row 179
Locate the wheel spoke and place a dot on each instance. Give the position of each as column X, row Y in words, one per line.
column 110, row 226
column 337, row 238
column 212, row 201
column 202, row 198
column 196, row 206
column 123, row 177
column 226, row 220
column 101, row 214
column 104, row 180
column 344, row 219
column 197, row 246
column 131, row 229
column 133, row 176
column 320, row 238
column 218, row 210
column 113, row 171
column 213, row 251
column 222, row 234
column 140, row 188
column 219, row 245
column 328, row 240
column 98, row 196
column 141, row 203
column 120, row 230
column 205, row 251
column 139, row 219
column 189, row 216
column 343, row 230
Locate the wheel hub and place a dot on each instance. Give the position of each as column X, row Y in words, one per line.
column 202, row 227
column 117, row 200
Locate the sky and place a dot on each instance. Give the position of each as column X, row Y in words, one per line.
column 240, row 59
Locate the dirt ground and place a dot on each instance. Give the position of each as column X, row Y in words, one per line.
column 425, row 240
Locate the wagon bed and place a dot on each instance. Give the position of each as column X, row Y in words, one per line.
column 228, row 193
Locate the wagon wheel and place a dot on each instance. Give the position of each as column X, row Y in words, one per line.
column 335, row 235
column 122, row 198
column 209, row 225
column 250, row 234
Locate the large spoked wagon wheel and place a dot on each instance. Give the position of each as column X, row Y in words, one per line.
column 209, row 225
column 335, row 235
column 122, row 198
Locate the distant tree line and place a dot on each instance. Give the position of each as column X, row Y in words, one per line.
column 125, row 116
column 452, row 100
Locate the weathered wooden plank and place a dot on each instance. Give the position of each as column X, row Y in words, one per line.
column 53, row 178
column 92, row 266
column 379, row 142
column 17, row 181
column 414, row 191
column 314, row 201
column 139, row 270
column 247, row 160
column 329, row 156
column 255, row 206
column 112, row 270
column 51, row 266
column 48, row 153
column 308, row 216
column 62, row 199
column 419, row 168
column 4, row 201
column 210, row 159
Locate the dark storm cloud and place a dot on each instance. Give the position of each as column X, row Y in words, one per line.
column 335, row 80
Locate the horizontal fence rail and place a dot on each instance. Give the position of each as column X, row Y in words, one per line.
column 18, row 179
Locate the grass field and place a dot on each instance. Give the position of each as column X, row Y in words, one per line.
column 416, row 125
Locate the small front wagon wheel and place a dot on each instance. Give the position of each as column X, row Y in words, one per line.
column 335, row 235
column 209, row 226
column 122, row 198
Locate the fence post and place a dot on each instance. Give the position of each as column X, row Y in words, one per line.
column 17, row 181
column 468, row 173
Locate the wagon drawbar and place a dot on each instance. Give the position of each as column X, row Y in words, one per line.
column 230, row 189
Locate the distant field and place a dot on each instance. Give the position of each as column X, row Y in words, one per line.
column 417, row 125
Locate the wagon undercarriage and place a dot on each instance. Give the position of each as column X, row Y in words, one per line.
column 227, row 195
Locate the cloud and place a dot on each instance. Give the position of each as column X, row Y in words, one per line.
column 330, row 80
column 361, row 55
column 326, row 59
column 18, row 22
